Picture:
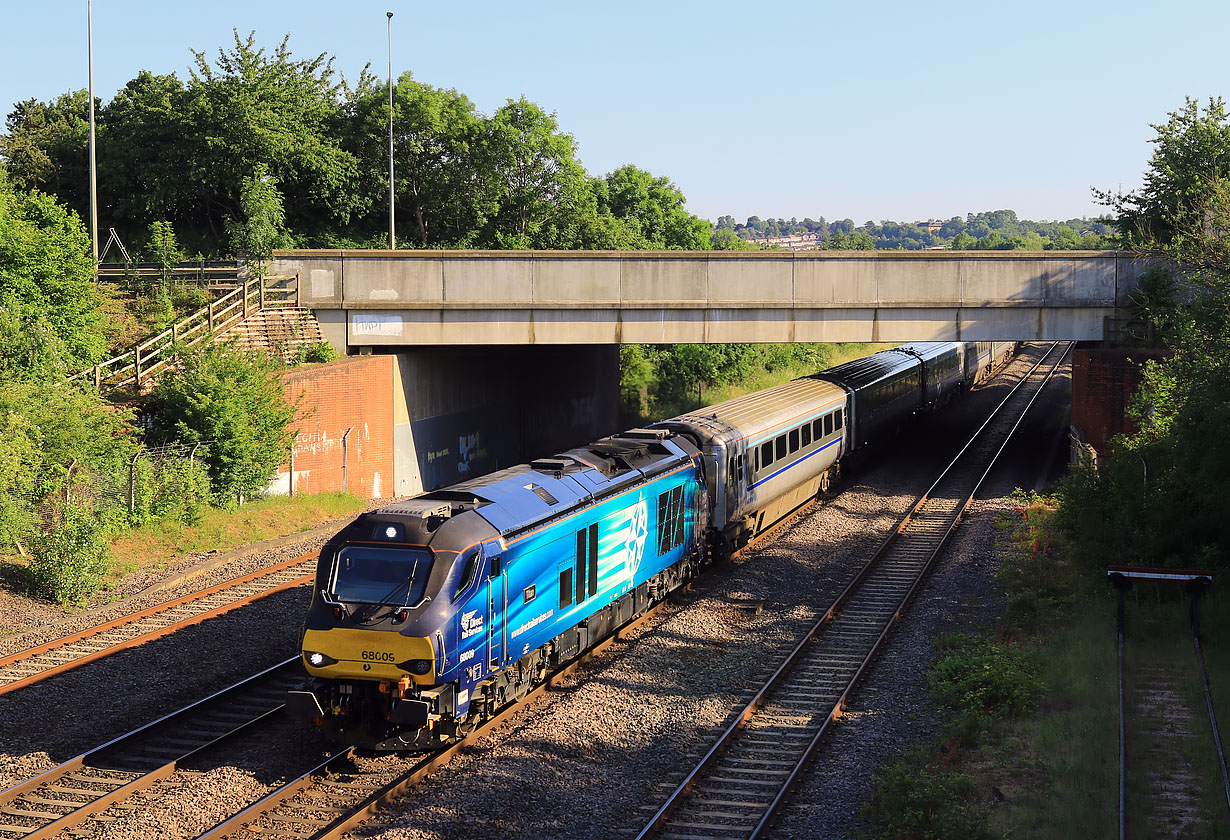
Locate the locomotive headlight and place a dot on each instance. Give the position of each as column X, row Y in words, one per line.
column 318, row 660
column 417, row 666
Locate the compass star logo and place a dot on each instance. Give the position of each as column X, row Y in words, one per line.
column 634, row 543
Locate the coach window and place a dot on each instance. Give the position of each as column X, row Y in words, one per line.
column 837, row 420
column 794, row 440
column 828, row 424
column 817, row 428
column 780, row 446
column 806, row 430
column 766, row 454
column 565, row 588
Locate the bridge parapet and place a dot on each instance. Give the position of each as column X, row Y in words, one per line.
column 582, row 297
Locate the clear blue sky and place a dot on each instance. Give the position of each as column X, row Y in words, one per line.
column 877, row 110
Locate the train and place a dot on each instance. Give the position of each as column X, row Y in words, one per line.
column 429, row 615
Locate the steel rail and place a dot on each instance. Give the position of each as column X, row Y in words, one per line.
column 348, row 817
column 83, row 647
column 135, row 761
column 724, row 742
column 1208, row 700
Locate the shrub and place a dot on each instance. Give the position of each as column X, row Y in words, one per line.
column 69, row 561
column 234, row 400
column 318, row 351
column 977, row 676
column 913, row 802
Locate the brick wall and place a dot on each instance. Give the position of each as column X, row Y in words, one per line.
column 353, row 393
column 1103, row 382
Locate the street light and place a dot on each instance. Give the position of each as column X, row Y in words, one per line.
column 89, row 12
column 392, row 238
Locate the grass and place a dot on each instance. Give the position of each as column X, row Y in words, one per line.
column 155, row 545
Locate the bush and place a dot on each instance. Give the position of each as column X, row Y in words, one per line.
column 174, row 489
column 69, row 561
column 318, row 351
column 233, row 400
column 977, row 676
column 935, row 803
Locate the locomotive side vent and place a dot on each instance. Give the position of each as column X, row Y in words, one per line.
column 541, row 492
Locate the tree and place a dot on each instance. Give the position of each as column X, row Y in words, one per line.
column 233, row 400
column 654, row 207
column 51, row 321
column 533, row 175
column 1190, row 165
column 436, row 134
column 260, row 226
column 164, row 247
column 46, row 148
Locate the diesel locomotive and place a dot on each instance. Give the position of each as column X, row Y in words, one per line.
column 429, row 614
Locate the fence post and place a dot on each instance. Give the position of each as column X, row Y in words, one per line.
column 298, row 299
column 132, row 483
column 344, row 450
column 97, row 377
column 210, row 311
column 291, row 482
column 136, row 364
column 68, row 483
column 245, row 301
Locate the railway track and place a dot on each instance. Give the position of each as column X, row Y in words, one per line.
column 738, row 787
column 65, row 796
column 337, row 796
column 55, row 657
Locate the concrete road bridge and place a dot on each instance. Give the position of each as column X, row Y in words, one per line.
column 438, row 298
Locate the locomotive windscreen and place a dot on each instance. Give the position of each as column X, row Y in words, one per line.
column 370, row 575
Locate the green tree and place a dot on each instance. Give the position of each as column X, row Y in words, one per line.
column 46, row 148
column 164, row 247
column 234, row 400
column 51, row 320
column 534, row 177
column 260, row 226
column 653, row 206
column 1189, row 166
column 436, row 135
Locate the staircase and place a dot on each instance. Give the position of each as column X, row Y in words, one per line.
column 278, row 332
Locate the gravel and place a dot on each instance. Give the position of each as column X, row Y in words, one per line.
column 594, row 757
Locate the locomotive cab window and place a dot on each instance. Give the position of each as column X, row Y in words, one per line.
column 467, row 574
column 370, row 575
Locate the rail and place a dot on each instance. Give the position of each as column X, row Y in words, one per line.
column 35, row 664
column 739, row 786
column 152, row 356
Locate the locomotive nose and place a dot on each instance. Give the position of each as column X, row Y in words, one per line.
column 355, row 653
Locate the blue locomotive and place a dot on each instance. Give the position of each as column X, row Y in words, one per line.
column 429, row 614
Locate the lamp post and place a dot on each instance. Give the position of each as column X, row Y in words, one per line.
column 89, row 12
column 392, row 238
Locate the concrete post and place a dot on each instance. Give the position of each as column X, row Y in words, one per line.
column 291, row 482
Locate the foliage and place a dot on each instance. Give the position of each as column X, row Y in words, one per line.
column 50, row 308
column 20, row 441
column 260, row 226
column 234, row 399
column 174, row 489
column 661, row 380
column 914, row 802
column 977, row 676
column 71, row 559
column 164, row 247
column 1158, row 498
column 315, row 353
